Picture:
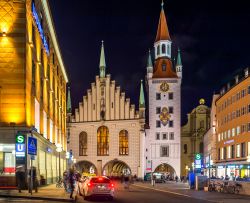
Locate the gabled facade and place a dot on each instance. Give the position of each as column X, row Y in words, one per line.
column 106, row 131
column 162, row 146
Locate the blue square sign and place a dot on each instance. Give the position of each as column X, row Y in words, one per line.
column 32, row 146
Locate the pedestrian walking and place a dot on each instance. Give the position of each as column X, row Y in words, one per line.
column 71, row 181
column 153, row 180
column 176, row 178
column 20, row 177
column 33, row 178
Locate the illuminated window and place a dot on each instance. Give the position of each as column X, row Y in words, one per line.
column 123, row 142
column 229, row 152
column 83, row 143
column 238, row 130
column 222, row 153
column 218, row 137
column 238, row 150
column 102, row 141
column 233, row 132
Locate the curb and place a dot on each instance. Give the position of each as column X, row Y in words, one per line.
column 37, row 197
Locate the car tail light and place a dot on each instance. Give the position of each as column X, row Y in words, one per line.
column 89, row 184
column 111, row 185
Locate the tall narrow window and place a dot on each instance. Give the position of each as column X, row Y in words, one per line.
column 158, row 50
column 83, row 144
column 185, row 148
column 168, row 49
column 163, row 49
column 102, row 141
column 123, row 142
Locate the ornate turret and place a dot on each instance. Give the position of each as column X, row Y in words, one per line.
column 102, row 64
column 163, row 67
column 178, row 65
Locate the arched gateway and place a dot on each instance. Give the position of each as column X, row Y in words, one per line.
column 86, row 167
column 165, row 169
column 116, row 168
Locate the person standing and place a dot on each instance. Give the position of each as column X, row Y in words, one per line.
column 33, row 177
column 71, row 180
column 20, row 178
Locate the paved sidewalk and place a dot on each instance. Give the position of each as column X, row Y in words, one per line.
column 182, row 189
column 49, row 192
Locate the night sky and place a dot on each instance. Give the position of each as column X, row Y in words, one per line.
column 214, row 37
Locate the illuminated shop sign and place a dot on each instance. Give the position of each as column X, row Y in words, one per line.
column 229, row 141
column 39, row 27
column 20, row 145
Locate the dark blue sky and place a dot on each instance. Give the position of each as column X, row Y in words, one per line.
column 212, row 35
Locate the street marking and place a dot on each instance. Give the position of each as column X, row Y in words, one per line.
column 175, row 193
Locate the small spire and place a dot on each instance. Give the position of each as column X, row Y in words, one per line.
column 162, row 31
column 102, row 64
column 149, row 62
column 162, row 4
column 178, row 62
column 142, row 98
column 69, row 107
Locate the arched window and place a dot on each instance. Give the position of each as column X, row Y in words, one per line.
column 123, row 142
column 168, row 49
column 158, row 50
column 163, row 49
column 102, row 141
column 83, row 144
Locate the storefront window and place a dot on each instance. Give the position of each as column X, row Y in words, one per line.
column 7, row 159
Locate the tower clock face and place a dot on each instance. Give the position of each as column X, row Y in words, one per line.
column 164, row 87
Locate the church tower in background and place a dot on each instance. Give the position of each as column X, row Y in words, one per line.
column 162, row 147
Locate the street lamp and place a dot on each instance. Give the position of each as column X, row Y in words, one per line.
column 59, row 150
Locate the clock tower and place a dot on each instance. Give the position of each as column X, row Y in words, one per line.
column 162, row 147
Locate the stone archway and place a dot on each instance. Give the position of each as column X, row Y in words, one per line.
column 116, row 168
column 85, row 167
column 165, row 169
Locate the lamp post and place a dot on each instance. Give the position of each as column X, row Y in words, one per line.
column 59, row 150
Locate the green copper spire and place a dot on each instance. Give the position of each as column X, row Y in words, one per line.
column 69, row 108
column 149, row 63
column 178, row 62
column 142, row 98
column 102, row 64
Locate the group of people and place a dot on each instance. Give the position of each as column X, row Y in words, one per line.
column 69, row 180
column 32, row 179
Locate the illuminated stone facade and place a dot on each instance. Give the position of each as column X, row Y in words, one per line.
column 106, row 130
column 192, row 135
column 32, row 76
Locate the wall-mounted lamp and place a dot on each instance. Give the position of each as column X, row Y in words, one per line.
column 4, row 34
column 46, row 79
column 39, row 63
